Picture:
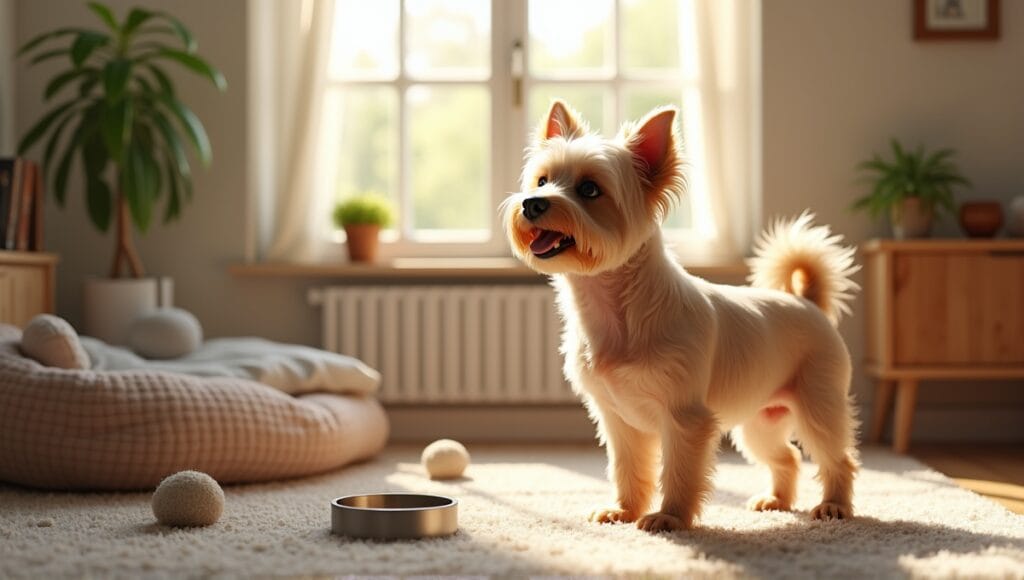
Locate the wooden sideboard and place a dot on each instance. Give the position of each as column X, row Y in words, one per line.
column 940, row 309
column 26, row 285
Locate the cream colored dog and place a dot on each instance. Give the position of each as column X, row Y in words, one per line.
column 662, row 357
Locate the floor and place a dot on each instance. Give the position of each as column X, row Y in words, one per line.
column 995, row 471
column 522, row 512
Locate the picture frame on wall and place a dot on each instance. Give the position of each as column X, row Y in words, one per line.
column 956, row 19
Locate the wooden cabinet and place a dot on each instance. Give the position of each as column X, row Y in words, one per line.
column 26, row 285
column 940, row 309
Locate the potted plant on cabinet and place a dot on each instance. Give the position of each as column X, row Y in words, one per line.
column 129, row 128
column 911, row 188
column 362, row 217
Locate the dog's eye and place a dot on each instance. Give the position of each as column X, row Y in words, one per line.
column 588, row 189
column 542, row 181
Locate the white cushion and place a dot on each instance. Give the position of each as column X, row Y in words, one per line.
column 165, row 333
column 51, row 341
column 291, row 368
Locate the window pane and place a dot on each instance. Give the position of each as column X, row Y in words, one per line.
column 570, row 37
column 637, row 103
column 448, row 38
column 650, row 35
column 450, row 144
column 364, row 43
column 640, row 101
column 363, row 141
column 590, row 101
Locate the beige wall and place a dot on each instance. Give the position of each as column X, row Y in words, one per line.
column 839, row 79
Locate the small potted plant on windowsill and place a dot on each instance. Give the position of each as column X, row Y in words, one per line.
column 911, row 189
column 363, row 217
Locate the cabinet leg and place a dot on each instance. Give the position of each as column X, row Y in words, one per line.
column 906, row 396
column 883, row 402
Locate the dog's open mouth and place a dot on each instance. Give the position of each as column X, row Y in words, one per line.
column 549, row 243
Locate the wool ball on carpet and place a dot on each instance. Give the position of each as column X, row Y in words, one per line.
column 188, row 498
column 445, row 459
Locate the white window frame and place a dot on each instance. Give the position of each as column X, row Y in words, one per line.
column 510, row 129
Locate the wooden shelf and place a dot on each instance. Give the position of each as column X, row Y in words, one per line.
column 944, row 245
column 939, row 310
column 451, row 268
column 26, row 285
column 943, row 372
column 28, row 258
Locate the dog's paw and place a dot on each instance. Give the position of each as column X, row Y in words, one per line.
column 828, row 510
column 768, row 502
column 662, row 522
column 612, row 515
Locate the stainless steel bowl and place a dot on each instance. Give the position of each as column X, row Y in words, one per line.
column 393, row 516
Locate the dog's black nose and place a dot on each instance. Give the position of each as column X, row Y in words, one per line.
column 534, row 206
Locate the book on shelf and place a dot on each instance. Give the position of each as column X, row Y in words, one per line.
column 21, row 205
column 6, row 184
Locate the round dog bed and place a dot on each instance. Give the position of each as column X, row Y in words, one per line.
column 126, row 430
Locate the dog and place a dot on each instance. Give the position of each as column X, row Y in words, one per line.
column 667, row 362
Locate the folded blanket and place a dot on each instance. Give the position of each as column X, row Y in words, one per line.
column 290, row 368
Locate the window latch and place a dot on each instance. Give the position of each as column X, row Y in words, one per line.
column 517, row 69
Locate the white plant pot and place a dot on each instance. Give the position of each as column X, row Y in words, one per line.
column 111, row 304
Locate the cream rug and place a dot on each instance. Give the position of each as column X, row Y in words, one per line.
column 522, row 512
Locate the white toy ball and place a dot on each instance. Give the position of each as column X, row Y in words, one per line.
column 188, row 498
column 445, row 459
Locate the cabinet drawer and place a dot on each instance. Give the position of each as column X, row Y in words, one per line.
column 23, row 293
column 958, row 308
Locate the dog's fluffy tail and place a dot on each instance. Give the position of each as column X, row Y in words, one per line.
column 795, row 256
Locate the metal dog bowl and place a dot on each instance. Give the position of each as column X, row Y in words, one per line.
column 393, row 516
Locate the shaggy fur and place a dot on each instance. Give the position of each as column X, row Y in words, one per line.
column 665, row 361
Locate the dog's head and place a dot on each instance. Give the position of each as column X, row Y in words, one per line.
column 588, row 203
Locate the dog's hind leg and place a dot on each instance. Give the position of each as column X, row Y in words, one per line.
column 825, row 427
column 765, row 439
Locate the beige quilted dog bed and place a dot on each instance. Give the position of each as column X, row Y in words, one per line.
column 124, row 430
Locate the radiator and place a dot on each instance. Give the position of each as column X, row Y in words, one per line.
column 450, row 344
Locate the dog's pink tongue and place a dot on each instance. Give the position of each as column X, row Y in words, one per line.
column 545, row 241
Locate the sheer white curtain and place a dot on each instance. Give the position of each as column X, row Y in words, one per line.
column 289, row 49
column 721, row 126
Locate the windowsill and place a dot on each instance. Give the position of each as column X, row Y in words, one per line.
column 447, row 268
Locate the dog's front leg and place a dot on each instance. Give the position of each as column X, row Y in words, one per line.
column 632, row 458
column 690, row 437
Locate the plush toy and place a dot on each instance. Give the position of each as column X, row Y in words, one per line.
column 188, row 498
column 445, row 459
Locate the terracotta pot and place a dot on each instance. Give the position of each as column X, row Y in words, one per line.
column 363, row 241
column 981, row 219
column 911, row 219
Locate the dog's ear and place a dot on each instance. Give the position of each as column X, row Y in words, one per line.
column 561, row 121
column 656, row 155
column 654, row 142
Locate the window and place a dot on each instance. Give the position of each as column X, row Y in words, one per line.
column 430, row 102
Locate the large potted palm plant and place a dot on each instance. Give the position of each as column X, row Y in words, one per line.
column 122, row 120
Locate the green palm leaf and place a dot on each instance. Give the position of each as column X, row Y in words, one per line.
column 194, row 63
column 60, row 81
column 192, row 125
column 105, row 15
column 85, row 44
column 39, row 129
